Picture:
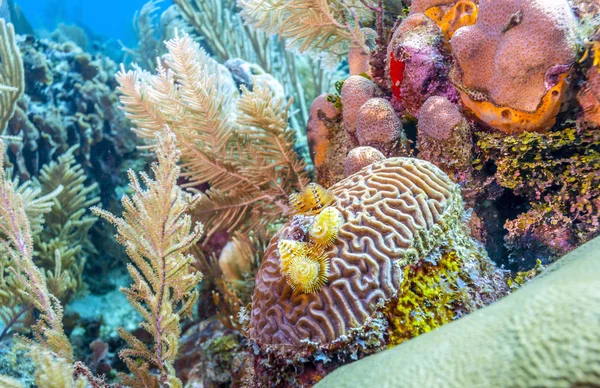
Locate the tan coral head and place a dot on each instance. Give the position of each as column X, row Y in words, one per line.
column 510, row 120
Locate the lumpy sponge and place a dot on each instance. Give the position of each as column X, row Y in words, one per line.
column 507, row 53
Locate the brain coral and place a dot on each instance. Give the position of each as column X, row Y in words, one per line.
column 512, row 54
column 396, row 211
column 546, row 334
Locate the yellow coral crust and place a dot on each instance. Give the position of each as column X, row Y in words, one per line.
column 463, row 13
column 509, row 120
column 428, row 296
column 326, row 226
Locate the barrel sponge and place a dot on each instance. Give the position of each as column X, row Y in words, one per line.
column 545, row 334
column 378, row 125
column 508, row 52
column 355, row 92
column 396, row 212
column 360, row 157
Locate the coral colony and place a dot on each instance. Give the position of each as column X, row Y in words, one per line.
column 290, row 193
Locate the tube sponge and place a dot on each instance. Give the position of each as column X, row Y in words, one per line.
column 546, row 334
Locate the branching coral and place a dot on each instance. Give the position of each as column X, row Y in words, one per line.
column 62, row 246
column 157, row 230
column 17, row 243
column 150, row 39
column 244, row 152
column 12, row 77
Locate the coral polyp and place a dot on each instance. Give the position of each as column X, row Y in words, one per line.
column 311, row 200
column 326, row 226
column 307, row 272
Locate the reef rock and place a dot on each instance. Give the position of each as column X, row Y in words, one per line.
column 514, row 60
column 404, row 234
column 328, row 142
column 545, row 335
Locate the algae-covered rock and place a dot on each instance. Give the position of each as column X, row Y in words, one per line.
column 546, row 334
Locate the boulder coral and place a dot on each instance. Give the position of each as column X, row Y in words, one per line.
column 545, row 334
column 444, row 136
column 355, row 92
column 360, row 157
column 399, row 214
column 378, row 126
column 513, row 62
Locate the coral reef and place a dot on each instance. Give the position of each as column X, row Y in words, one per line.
column 558, row 173
column 404, row 212
column 502, row 345
column 513, row 62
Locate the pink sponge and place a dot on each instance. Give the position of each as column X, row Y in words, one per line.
column 506, row 55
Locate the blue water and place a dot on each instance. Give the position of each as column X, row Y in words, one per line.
column 109, row 19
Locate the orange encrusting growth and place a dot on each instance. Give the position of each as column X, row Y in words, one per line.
column 311, row 200
column 463, row 13
column 509, row 120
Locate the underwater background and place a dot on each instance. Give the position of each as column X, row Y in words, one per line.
column 297, row 193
